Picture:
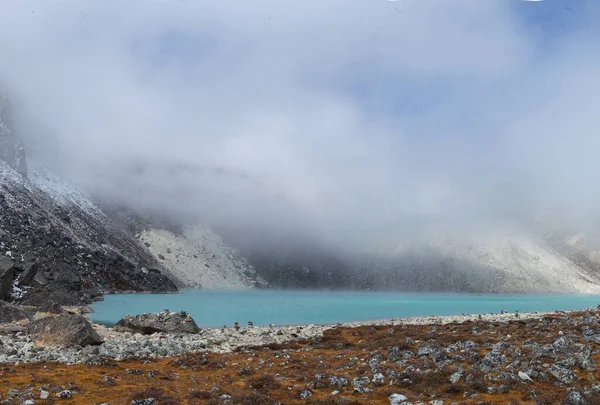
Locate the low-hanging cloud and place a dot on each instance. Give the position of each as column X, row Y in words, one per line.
column 341, row 117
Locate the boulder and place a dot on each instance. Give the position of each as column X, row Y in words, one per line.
column 6, row 277
column 28, row 275
column 168, row 322
column 51, row 308
column 63, row 331
column 12, row 314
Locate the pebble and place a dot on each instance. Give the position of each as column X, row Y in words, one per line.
column 305, row 394
column 64, row 394
column 397, row 399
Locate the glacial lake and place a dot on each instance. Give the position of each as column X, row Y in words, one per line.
column 264, row 307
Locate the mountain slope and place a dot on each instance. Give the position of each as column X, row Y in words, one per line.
column 63, row 247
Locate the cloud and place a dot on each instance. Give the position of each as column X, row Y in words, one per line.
column 336, row 116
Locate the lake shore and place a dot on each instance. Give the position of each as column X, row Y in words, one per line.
column 535, row 358
column 18, row 347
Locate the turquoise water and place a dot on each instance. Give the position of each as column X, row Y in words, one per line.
column 263, row 307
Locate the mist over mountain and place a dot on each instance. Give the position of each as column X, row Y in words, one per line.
column 405, row 145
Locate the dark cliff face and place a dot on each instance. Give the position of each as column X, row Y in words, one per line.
column 12, row 150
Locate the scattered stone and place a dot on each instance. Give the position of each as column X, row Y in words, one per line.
column 574, row 398
column 378, row 379
column 44, row 394
column 397, row 399
column 147, row 401
column 305, row 394
column 361, row 385
column 524, row 377
column 64, row 394
column 563, row 375
column 394, row 354
column 455, row 378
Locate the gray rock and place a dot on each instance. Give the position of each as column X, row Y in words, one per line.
column 397, row 399
column 455, row 378
column 378, row 379
column 562, row 343
column 28, row 275
column 491, row 362
column 168, row 322
column 11, row 314
column 6, row 277
column 394, row 354
column 147, row 401
column 563, row 375
column 305, row 394
column 504, row 376
column 64, row 394
column 434, row 350
column 574, row 398
column 44, row 394
column 63, row 331
column 361, row 385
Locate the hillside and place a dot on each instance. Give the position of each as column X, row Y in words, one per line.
column 60, row 246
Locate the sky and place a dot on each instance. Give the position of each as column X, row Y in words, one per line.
column 336, row 116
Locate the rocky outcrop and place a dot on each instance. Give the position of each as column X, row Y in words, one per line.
column 6, row 277
column 63, row 331
column 12, row 314
column 169, row 322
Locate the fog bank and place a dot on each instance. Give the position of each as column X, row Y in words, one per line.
column 351, row 122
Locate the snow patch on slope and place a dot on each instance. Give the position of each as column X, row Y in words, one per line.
column 528, row 263
column 63, row 193
column 198, row 257
column 10, row 177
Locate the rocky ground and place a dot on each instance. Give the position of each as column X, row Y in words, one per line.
column 502, row 359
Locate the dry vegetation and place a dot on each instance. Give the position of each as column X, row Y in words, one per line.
column 279, row 373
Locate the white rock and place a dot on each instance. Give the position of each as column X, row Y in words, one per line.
column 397, row 399
column 524, row 376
